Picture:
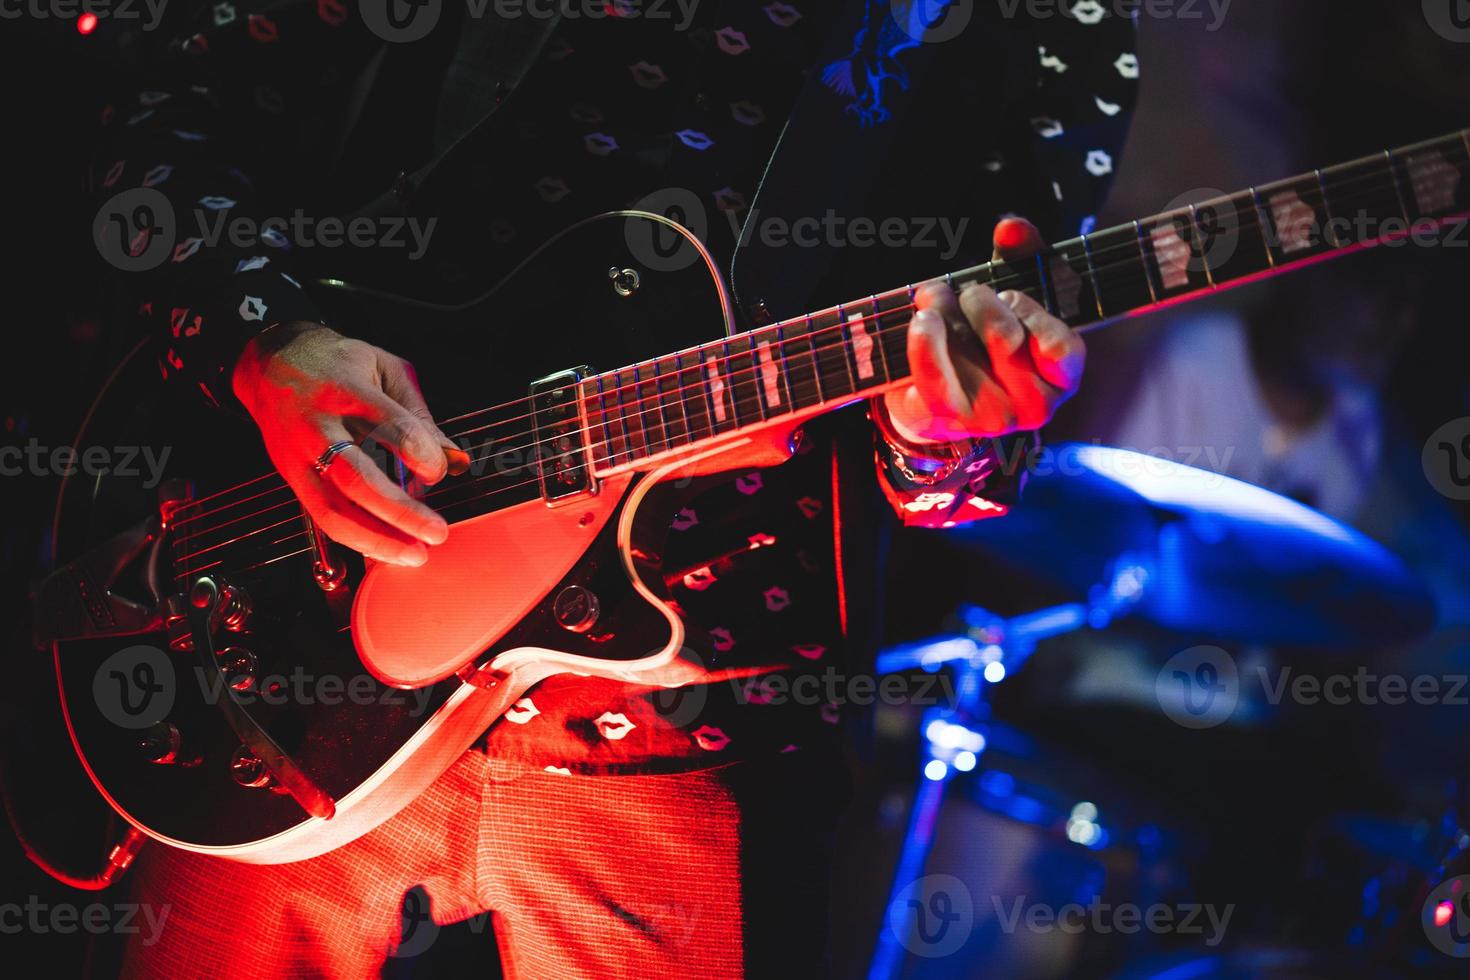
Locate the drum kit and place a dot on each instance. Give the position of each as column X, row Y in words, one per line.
column 1049, row 865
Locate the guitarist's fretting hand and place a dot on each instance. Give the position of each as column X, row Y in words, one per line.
column 986, row 365
column 308, row 387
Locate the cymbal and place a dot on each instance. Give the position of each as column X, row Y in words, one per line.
column 1215, row 556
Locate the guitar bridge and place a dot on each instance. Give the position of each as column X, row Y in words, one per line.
column 560, row 454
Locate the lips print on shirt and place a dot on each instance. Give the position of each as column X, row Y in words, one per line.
column 158, row 175
column 251, row 264
column 721, row 639
column 613, row 725
column 332, row 12
column 584, row 113
column 761, row 540
column 647, row 76
column 747, row 113
column 262, row 28
column 749, row 484
column 552, row 189
column 694, row 139
column 684, row 520
column 727, row 199
column 1088, row 12
column 224, row 13
column 522, row 711
column 777, row 598
column 782, row 14
column 253, row 308
column 700, row 579
column 810, row 651
column 186, row 248
column 731, row 41
column 810, row 507
column 710, row 738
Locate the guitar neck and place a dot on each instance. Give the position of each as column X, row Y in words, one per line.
column 812, row 364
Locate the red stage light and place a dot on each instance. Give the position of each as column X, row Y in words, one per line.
column 87, row 23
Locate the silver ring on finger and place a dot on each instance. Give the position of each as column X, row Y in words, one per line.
column 332, row 452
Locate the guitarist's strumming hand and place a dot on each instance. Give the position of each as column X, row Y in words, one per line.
column 985, row 364
column 307, row 387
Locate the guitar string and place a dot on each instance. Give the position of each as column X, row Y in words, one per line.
column 656, row 401
column 797, row 395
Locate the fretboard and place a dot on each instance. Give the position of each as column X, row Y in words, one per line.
column 813, row 363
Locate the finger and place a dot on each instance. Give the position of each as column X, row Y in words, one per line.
column 951, row 380
column 1058, row 351
column 349, row 525
column 1016, row 238
column 357, row 477
column 352, row 527
column 401, row 385
column 1032, row 397
column 378, row 418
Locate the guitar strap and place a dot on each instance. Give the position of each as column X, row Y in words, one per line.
column 491, row 58
column 852, row 112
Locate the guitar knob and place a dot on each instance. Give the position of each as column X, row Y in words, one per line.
column 239, row 667
column 249, row 771
column 234, row 608
column 575, row 609
column 163, row 745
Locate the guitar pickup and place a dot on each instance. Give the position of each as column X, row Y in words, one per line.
column 560, row 453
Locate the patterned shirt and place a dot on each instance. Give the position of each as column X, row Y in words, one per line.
column 246, row 112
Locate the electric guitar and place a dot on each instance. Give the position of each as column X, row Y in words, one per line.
column 185, row 611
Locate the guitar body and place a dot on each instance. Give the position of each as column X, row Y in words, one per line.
column 375, row 687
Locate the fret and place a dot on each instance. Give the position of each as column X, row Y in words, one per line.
column 1092, row 280
column 1333, row 232
column 1231, row 241
column 715, row 385
column 1024, row 277
column 743, row 379
column 829, row 348
column 860, row 346
column 1263, row 223
column 1044, row 285
column 771, row 379
column 634, row 418
column 980, row 275
column 666, row 384
column 800, row 361
column 1150, row 267
column 894, row 311
column 1197, row 247
column 1070, row 276
column 613, row 423
column 1364, row 202
column 1398, row 190
column 1119, row 270
column 691, row 395
column 1297, row 224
